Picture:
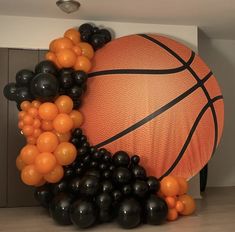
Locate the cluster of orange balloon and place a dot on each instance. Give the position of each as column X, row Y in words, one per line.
column 174, row 191
column 47, row 128
column 70, row 52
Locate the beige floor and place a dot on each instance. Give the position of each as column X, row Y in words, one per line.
column 215, row 213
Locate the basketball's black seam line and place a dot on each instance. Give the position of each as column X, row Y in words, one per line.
column 143, row 71
column 155, row 41
column 155, row 113
column 190, row 135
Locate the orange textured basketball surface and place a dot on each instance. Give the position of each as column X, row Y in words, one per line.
column 152, row 96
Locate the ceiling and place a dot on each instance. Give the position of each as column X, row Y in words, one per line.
column 216, row 18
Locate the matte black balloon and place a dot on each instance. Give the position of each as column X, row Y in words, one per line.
column 106, row 34
column 46, row 66
column 140, row 188
column 104, row 201
column 43, row 195
column 79, row 77
column 60, row 187
column 9, row 91
column 139, row 172
column 106, row 186
column 129, row 214
column 23, row 94
column 97, row 41
column 121, row 158
column 155, row 210
column 135, row 159
column 74, row 185
column 154, row 184
column 127, row 190
column 75, row 92
column 59, row 209
column 89, row 186
column 44, row 87
column 83, row 213
column 23, row 77
column 122, row 175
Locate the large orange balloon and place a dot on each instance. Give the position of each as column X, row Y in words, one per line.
column 48, row 111
column 66, row 58
column 189, row 204
column 30, row 175
column 169, row 186
column 63, row 123
column 73, row 35
column 28, row 154
column 47, row 142
column 82, row 63
column 64, row 104
column 65, row 153
column 19, row 163
column 77, row 118
column 45, row 162
column 55, row 175
column 87, row 50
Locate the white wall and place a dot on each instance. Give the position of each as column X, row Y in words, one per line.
column 220, row 56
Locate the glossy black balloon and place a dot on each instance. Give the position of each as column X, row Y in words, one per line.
column 92, row 172
column 155, row 210
column 127, row 190
column 140, row 188
column 139, row 172
column 121, row 158
column 105, row 215
column 68, row 172
column 82, row 150
column 129, row 214
column 135, row 159
column 9, row 91
column 86, row 30
column 106, row 34
column 103, row 201
column 80, row 77
column 106, row 186
column 44, row 87
column 89, row 186
column 75, row 92
column 77, row 104
column 46, row 66
column 59, row 209
column 97, row 41
column 65, row 79
column 106, row 174
column 74, row 185
column 77, row 133
column 117, row 195
column 154, row 184
column 122, row 175
column 96, row 30
column 43, row 195
column 83, row 213
column 23, row 94
column 75, row 141
column 23, row 77
column 60, row 187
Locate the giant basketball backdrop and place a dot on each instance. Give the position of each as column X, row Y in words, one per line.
column 152, row 96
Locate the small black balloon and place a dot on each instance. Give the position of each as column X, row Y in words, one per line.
column 9, row 91
column 82, row 151
column 103, row 201
column 23, row 94
column 76, row 142
column 77, row 104
column 106, row 174
column 43, row 195
column 154, row 184
column 59, row 209
column 121, row 158
column 86, row 31
column 139, row 172
column 83, row 138
column 78, row 171
column 106, row 186
column 94, row 164
column 97, row 156
column 93, row 150
column 135, row 159
column 68, row 172
column 122, row 175
column 46, row 66
column 129, row 214
column 74, row 185
column 97, row 41
column 155, row 210
column 103, row 166
column 140, row 188
column 75, row 92
column 106, row 215
column 23, row 77
column 60, row 187
column 89, row 186
column 106, row 34
column 127, row 190
column 83, row 213
column 65, row 79
column 92, row 172
column 44, row 87
column 95, row 30
column 117, row 195
column 79, row 77
column 77, row 133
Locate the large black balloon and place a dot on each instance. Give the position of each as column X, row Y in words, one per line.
column 155, row 210
column 59, row 209
column 44, row 87
column 9, row 91
column 23, row 77
column 83, row 213
column 121, row 158
column 23, row 94
column 89, row 186
column 122, row 175
column 129, row 214
column 46, row 66
column 43, row 195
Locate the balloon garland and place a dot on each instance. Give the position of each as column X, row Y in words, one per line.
column 76, row 182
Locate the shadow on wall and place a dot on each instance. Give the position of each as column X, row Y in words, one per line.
column 220, row 56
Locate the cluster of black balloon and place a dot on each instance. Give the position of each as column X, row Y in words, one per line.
column 95, row 36
column 99, row 187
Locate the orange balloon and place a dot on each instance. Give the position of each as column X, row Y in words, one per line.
column 21, row 115
column 61, row 43
column 47, row 142
column 48, row 111
column 37, row 132
column 83, row 64
column 66, row 58
column 45, row 162
column 31, row 140
column 52, row 45
column 77, row 50
column 20, row 124
column 55, row 175
column 170, row 201
column 28, row 154
column 189, row 204
column 87, row 50
column 169, row 186
column 64, row 104
column 50, row 56
column 25, row 105
column 179, row 206
column 77, row 118
column 47, row 125
column 33, row 112
column 73, row 35
column 28, row 120
column 65, row 153
column 19, row 163
column 36, row 104
column 63, row 137
column 41, row 183
column 183, row 185
column 36, row 123
column 63, row 123
column 30, row 175
column 27, row 130
column 172, row 215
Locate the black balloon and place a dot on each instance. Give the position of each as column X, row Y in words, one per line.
column 117, row 195
column 140, row 188
column 139, row 172
column 44, row 87
column 104, row 201
column 23, row 94
column 122, row 175
column 155, row 210
column 89, row 186
column 106, row 34
column 79, row 77
column 135, row 159
column 129, row 213
column 106, row 186
column 65, row 79
column 43, row 195
column 154, row 184
column 127, row 190
column 75, row 92
column 59, row 209
column 77, row 133
column 68, row 172
column 93, row 172
column 59, row 187
column 74, row 185
column 9, row 91
column 97, row 41
column 83, row 213
column 121, row 158
column 86, row 31
column 106, row 215
column 23, row 77
column 46, row 66
column 77, row 103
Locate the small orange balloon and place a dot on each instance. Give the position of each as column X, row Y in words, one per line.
column 45, row 162
column 36, row 123
column 25, row 105
column 179, row 206
column 33, row 112
column 64, row 104
column 19, row 163
column 55, row 175
column 60, row 44
column 77, row 50
column 77, row 118
column 27, row 130
column 28, row 154
column 20, row 124
column 66, row 58
column 41, row 183
column 48, row 111
column 21, row 115
column 37, row 132
column 183, row 185
column 63, row 123
column 65, row 153
column 83, row 64
column 28, row 120
column 170, row 201
column 31, row 140
column 30, row 176
column 189, row 204
column 50, row 56
column 172, row 215
column 87, row 50
column 47, row 142
column 47, row 125
column 169, row 186
column 73, row 35
column 36, row 104
column 63, row 137
column 52, row 45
